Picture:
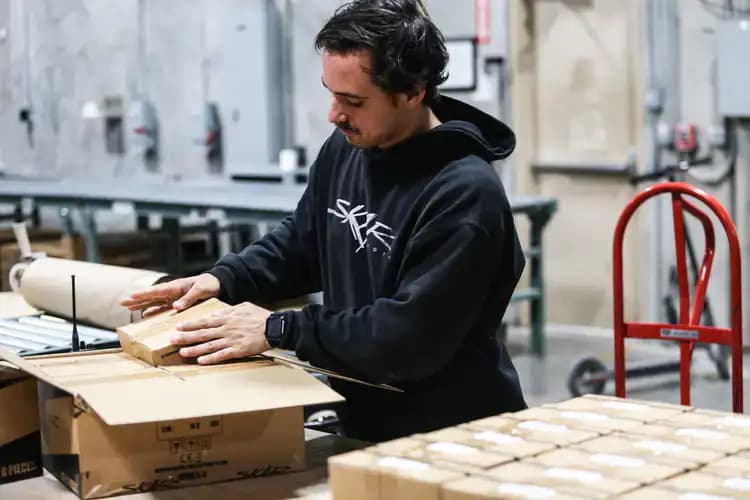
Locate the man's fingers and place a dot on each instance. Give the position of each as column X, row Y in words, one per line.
column 194, row 295
column 222, row 312
column 156, row 309
column 203, row 349
column 145, row 305
column 164, row 291
column 132, row 303
column 196, row 336
column 200, row 324
column 219, row 356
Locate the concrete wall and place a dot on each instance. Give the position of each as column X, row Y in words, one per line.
column 59, row 55
column 575, row 103
column 581, row 73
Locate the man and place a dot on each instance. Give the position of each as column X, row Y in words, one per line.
column 404, row 226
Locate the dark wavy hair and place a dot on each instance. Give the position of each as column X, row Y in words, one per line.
column 406, row 47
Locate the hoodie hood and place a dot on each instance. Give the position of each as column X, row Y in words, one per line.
column 493, row 139
column 464, row 131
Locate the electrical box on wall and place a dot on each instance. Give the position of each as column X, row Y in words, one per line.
column 252, row 100
column 734, row 68
column 143, row 134
column 209, row 137
column 114, row 138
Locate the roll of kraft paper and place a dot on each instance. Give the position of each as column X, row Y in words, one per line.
column 45, row 284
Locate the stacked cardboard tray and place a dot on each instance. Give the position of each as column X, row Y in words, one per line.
column 588, row 447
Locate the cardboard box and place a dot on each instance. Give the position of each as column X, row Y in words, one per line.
column 533, row 430
column 654, row 493
column 641, row 411
column 363, row 475
column 580, row 482
column 656, row 450
column 701, row 483
column 734, row 465
column 731, row 423
column 585, row 420
column 113, row 424
column 655, row 404
column 148, row 340
column 476, row 488
column 398, row 447
column 20, row 448
column 696, row 437
column 457, row 456
column 492, row 441
column 354, row 475
column 610, row 465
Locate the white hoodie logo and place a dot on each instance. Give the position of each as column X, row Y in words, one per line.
column 363, row 225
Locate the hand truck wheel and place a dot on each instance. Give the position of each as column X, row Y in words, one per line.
column 588, row 376
column 720, row 355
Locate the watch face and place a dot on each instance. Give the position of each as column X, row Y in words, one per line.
column 275, row 329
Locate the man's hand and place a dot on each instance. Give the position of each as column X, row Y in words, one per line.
column 236, row 332
column 178, row 294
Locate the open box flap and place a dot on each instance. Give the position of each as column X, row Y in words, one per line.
column 124, row 390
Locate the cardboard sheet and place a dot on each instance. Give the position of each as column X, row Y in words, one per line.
column 366, row 476
column 619, row 408
column 611, row 465
column 476, row 488
column 656, row 450
column 13, row 305
column 588, row 484
column 134, row 392
column 46, row 285
column 290, row 359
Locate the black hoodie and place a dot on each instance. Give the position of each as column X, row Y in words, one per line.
column 415, row 250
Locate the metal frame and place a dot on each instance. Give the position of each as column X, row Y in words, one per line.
column 539, row 211
column 688, row 331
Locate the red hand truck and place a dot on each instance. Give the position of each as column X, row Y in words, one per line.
column 688, row 330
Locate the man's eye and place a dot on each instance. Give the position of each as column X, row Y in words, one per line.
column 354, row 104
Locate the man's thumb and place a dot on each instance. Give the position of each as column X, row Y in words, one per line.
column 191, row 297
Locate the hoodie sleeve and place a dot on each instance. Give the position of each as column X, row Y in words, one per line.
column 280, row 265
column 283, row 263
column 410, row 335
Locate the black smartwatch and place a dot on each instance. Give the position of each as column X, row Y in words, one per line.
column 276, row 326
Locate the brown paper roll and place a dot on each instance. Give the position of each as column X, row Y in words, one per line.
column 45, row 284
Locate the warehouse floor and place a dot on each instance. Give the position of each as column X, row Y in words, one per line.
column 545, row 380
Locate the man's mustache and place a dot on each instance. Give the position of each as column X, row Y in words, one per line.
column 346, row 126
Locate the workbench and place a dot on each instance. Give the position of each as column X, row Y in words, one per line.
column 310, row 484
column 258, row 203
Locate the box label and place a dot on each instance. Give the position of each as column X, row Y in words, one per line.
column 193, row 428
column 21, row 459
column 671, row 333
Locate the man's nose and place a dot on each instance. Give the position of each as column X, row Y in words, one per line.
column 334, row 113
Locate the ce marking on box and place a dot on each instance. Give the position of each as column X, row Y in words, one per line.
column 179, row 446
column 186, row 429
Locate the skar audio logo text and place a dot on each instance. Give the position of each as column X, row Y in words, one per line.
column 17, row 469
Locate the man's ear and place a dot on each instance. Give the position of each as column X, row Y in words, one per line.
column 415, row 96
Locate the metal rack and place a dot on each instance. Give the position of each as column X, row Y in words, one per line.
column 34, row 335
